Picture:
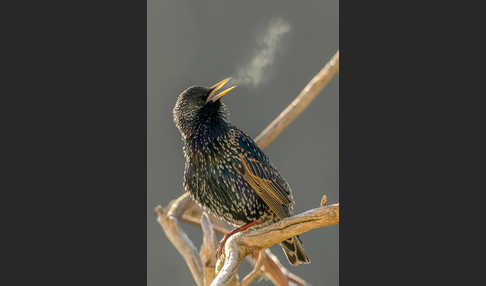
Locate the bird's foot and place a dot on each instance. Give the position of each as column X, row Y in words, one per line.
column 219, row 251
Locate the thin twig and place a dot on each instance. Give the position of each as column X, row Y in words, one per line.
column 299, row 104
column 323, row 200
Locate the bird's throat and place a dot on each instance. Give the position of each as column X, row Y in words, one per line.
column 206, row 130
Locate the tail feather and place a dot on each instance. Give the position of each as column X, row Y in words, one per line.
column 294, row 250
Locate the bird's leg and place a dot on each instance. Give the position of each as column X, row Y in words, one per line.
column 236, row 230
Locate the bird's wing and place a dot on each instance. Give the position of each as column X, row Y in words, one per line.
column 257, row 171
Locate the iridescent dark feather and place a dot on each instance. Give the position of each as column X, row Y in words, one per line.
column 227, row 173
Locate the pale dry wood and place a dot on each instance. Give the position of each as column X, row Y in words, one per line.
column 300, row 103
column 323, row 200
column 290, row 278
column 257, row 270
column 185, row 210
column 228, row 263
column 289, row 227
column 239, row 245
column 274, row 270
column 169, row 220
column 207, row 250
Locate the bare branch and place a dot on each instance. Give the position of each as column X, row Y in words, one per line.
column 291, row 226
column 169, row 220
column 208, row 249
column 274, row 270
column 241, row 244
column 232, row 258
column 300, row 103
column 289, row 276
column 257, row 270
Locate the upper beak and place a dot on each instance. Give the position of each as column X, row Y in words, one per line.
column 213, row 96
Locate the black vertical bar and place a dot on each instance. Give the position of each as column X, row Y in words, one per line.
column 77, row 142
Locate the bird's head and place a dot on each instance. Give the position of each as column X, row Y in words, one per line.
column 200, row 107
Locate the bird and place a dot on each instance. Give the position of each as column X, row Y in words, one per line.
column 226, row 172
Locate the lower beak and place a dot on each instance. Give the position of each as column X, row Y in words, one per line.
column 213, row 96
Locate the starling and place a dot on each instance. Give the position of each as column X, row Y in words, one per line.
column 226, row 173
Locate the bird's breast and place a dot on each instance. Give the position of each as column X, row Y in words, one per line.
column 215, row 184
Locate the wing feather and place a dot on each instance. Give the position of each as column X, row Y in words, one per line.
column 268, row 188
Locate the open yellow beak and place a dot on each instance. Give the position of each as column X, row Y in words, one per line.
column 213, row 96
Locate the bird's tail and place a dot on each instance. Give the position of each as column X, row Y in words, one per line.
column 294, row 250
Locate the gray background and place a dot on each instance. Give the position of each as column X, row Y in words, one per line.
column 202, row 42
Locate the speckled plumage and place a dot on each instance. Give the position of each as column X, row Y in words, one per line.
column 226, row 172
